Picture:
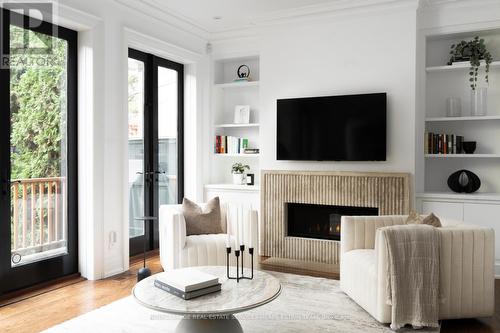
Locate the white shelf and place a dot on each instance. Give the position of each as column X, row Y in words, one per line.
column 442, row 119
column 237, row 155
column 240, row 84
column 233, row 187
column 236, row 125
column 460, row 196
column 462, row 155
column 459, row 67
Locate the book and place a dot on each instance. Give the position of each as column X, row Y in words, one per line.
column 187, row 295
column 187, row 279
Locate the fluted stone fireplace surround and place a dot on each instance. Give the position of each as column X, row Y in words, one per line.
column 389, row 192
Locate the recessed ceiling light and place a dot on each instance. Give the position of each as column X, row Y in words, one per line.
column 217, row 18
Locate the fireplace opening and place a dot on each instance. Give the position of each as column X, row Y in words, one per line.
column 320, row 221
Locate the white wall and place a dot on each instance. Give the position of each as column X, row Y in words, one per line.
column 106, row 30
column 359, row 55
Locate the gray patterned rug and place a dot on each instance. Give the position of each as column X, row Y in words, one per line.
column 306, row 304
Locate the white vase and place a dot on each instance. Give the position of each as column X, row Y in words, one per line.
column 478, row 101
column 239, row 179
column 453, row 107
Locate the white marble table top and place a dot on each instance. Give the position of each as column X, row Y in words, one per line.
column 233, row 298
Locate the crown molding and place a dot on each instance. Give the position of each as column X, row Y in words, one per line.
column 151, row 9
column 154, row 9
column 445, row 4
column 341, row 9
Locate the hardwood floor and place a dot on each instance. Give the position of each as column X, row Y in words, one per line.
column 70, row 300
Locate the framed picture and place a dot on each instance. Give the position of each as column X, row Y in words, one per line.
column 242, row 114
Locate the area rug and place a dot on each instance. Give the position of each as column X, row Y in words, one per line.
column 306, row 304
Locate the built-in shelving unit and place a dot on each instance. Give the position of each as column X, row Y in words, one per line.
column 238, row 84
column 472, row 118
column 462, row 155
column 226, row 95
column 238, row 155
column 463, row 66
column 441, row 81
column 235, row 125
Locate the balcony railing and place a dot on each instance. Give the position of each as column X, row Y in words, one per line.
column 38, row 215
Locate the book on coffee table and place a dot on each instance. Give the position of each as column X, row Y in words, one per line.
column 187, row 295
column 187, row 279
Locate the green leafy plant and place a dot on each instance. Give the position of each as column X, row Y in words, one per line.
column 239, row 168
column 474, row 51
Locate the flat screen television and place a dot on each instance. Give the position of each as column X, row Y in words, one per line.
column 332, row 128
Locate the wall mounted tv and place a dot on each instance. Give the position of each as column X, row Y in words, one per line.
column 332, row 128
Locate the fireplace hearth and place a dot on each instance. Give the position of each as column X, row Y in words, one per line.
column 319, row 221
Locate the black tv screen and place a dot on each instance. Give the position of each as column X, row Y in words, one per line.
column 332, row 128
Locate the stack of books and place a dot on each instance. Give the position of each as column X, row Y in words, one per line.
column 187, row 283
column 443, row 143
column 230, row 144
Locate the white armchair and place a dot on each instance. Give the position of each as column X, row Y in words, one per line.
column 179, row 250
column 466, row 267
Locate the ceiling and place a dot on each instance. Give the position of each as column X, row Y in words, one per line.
column 232, row 14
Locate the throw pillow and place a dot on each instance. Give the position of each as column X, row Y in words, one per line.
column 414, row 218
column 431, row 219
column 201, row 222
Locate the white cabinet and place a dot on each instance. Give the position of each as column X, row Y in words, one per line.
column 450, row 210
column 479, row 209
column 241, row 194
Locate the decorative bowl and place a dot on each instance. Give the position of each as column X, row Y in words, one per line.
column 469, row 147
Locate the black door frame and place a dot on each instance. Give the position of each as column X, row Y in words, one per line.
column 151, row 64
column 30, row 274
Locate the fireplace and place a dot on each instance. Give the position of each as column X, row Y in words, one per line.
column 319, row 221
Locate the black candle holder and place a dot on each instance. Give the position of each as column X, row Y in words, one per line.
column 237, row 254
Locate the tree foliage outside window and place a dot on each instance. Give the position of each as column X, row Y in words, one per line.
column 38, row 108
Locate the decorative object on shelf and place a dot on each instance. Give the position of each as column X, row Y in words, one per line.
column 243, row 73
column 469, row 147
column 251, row 151
column 473, row 51
column 464, row 181
column 478, row 101
column 237, row 253
column 238, row 170
column 242, row 114
column 250, row 179
column 453, row 107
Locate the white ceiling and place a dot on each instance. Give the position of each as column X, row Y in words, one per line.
column 234, row 14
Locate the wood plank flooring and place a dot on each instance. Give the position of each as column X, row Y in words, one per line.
column 70, row 300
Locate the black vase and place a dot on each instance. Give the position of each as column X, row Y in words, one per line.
column 464, row 181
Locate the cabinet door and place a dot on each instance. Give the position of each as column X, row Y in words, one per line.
column 445, row 210
column 251, row 198
column 486, row 215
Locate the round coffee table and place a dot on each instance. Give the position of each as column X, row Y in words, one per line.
column 213, row 312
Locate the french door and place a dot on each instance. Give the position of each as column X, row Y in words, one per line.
column 38, row 149
column 155, row 111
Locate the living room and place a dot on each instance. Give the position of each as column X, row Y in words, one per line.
column 279, row 156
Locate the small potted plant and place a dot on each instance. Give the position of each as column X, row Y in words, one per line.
column 238, row 170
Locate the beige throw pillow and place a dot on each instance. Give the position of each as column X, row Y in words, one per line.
column 431, row 219
column 414, row 218
column 199, row 222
